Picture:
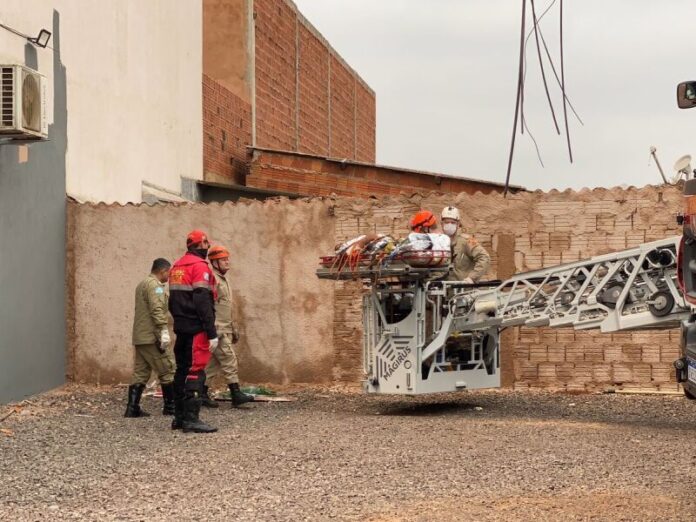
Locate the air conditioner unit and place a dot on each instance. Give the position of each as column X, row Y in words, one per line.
column 22, row 103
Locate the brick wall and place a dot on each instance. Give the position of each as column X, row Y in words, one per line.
column 317, row 176
column 226, row 133
column 366, row 123
column 313, row 94
column 307, row 98
column 547, row 229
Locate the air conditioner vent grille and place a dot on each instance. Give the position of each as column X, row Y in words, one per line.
column 7, row 117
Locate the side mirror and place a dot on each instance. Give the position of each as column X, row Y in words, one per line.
column 686, row 95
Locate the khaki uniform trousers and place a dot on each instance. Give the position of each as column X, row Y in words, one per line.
column 223, row 359
column 148, row 359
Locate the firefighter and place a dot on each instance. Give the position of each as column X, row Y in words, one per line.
column 423, row 222
column 469, row 259
column 191, row 303
column 151, row 340
column 224, row 358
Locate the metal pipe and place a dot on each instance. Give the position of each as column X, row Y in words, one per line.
column 653, row 153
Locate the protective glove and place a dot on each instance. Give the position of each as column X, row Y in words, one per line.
column 235, row 336
column 165, row 341
column 213, row 344
column 468, row 281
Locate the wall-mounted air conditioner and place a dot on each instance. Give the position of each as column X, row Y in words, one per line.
column 22, row 103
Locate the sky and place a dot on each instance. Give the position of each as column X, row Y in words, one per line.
column 445, row 77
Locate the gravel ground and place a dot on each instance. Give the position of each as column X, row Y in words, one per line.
column 69, row 455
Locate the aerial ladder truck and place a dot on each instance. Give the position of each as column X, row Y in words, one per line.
column 424, row 334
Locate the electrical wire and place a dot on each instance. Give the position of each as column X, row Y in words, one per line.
column 548, row 55
column 519, row 98
column 565, row 113
column 536, row 146
column 541, row 66
column 558, row 80
column 523, row 125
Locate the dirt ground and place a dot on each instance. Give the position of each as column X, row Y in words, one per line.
column 481, row 456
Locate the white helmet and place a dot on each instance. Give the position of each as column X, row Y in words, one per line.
column 450, row 213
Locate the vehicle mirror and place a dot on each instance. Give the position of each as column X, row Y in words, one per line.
column 686, row 95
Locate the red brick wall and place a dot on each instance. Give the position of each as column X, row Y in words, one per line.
column 307, row 99
column 313, row 176
column 342, row 112
column 366, row 123
column 226, row 133
column 300, row 105
column 275, row 74
column 313, row 94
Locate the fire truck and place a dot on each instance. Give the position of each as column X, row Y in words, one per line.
column 686, row 264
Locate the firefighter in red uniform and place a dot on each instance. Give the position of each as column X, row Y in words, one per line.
column 191, row 303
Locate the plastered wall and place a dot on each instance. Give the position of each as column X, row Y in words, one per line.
column 131, row 79
column 285, row 313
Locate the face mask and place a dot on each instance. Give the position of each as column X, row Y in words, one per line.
column 202, row 252
column 449, row 228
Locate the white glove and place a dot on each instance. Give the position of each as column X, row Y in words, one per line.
column 165, row 341
column 468, row 281
column 213, row 344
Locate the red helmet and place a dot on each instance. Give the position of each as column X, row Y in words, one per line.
column 218, row 252
column 196, row 237
column 422, row 219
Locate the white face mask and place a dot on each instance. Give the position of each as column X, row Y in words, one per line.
column 449, row 228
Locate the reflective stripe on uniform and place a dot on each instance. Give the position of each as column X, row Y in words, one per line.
column 185, row 288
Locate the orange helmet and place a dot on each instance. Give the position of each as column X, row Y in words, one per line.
column 196, row 237
column 218, row 252
column 423, row 219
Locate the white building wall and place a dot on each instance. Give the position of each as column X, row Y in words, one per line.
column 134, row 72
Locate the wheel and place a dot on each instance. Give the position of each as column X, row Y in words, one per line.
column 567, row 298
column 610, row 295
column 662, row 303
column 689, row 395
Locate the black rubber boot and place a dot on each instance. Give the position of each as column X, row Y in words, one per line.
column 192, row 408
column 207, row 402
column 238, row 397
column 178, row 420
column 133, row 409
column 168, row 398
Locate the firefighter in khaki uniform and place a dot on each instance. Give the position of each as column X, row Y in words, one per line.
column 469, row 259
column 223, row 357
column 151, row 340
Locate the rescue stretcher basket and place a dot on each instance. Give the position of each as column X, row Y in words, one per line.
column 410, row 265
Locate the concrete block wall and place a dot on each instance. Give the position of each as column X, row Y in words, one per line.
column 547, row 229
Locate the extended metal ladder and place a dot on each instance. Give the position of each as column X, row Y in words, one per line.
column 425, row 335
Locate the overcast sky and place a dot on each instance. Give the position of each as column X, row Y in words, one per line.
column 445, row 76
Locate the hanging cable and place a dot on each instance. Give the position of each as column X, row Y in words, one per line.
column 541, row 66
column 565, row 113
column 548, row 56
column 534, row 141
column 558, row 80
column 519, row 99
